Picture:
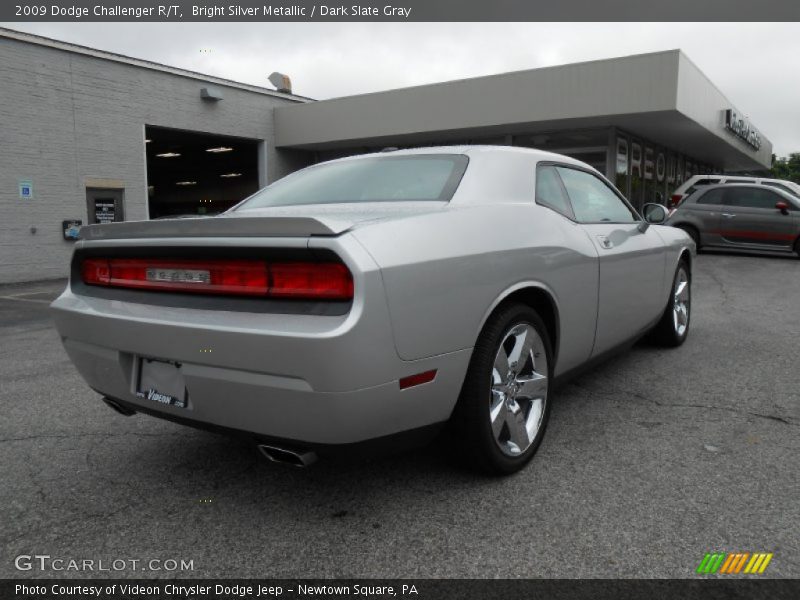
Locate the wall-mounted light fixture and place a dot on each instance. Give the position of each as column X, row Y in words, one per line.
column 281, row 82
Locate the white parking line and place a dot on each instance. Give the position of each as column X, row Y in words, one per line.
column 28, row 293
column 18, row 299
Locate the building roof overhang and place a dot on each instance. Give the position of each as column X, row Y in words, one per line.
column 662, row 97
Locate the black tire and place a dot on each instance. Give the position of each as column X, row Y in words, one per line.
column 471, row 428
column 692, row 233
column 667, row 332
column 797, row 247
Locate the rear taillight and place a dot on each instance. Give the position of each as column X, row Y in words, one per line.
column 675, row 200
column 300, row 280
column 95, row 271
column 311, row 280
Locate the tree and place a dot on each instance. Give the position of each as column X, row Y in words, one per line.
column 786, row 167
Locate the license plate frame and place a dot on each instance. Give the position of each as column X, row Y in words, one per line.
column 161, row 381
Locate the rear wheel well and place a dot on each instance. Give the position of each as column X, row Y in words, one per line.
column 540, row 301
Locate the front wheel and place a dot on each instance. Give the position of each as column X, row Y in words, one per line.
column 673, row 327
column 503, row 407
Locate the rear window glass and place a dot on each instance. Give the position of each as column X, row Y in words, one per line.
column 700, row 183
column 710, row 181
column 418, row 177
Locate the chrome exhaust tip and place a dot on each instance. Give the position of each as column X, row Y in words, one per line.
column 286, row 456
column 127, row 412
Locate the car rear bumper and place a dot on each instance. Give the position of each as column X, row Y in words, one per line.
column 313, row 379
column 371, row 447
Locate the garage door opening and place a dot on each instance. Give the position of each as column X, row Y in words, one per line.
column 191, row 173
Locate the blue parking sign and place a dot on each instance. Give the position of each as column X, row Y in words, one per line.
column 25, row 189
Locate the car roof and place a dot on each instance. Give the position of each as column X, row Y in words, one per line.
column 471, row 150
column 735, row 185
column 742, row 178
column 757, row 186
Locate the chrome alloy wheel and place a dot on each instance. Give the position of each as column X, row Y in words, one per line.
column 681, row 302
column 519, row 389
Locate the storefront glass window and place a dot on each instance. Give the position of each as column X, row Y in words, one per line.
column 635, row 196
column 621, row 179
column 671, row 167
column 648, row 171
column 645, row 172
column 661, row 176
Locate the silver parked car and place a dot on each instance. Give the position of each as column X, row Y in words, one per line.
column 743, row 216
column 376, row 298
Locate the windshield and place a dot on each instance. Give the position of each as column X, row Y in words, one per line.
column 417, row 177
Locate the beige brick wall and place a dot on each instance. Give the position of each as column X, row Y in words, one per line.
column 68, row 120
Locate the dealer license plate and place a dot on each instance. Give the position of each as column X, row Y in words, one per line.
column 161, row 382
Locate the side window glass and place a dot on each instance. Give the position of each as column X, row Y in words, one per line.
column 752, row 198
column 711, row 197
column 592, row 200
column 780, row 186
column 549, row 191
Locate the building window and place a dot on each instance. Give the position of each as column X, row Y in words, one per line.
column 637, row 184
column 661, row 176
column 621, row 175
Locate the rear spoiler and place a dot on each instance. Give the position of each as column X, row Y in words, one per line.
column 216, row 227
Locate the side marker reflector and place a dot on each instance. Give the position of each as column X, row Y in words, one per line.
column 418, row 379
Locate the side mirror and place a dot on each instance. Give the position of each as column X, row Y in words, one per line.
column 654, row 213
column 783, row 207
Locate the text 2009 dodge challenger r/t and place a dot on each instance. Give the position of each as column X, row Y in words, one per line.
column 375, row 297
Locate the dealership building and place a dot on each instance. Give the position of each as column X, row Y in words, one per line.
column 90, row 136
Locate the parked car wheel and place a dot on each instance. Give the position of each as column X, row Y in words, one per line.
column 504, row 404
column 673, row 327
column 797, row 247
column 692, row 232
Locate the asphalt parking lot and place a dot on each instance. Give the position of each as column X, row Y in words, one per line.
column 650, row 461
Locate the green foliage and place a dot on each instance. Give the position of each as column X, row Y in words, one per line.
column 786, row 167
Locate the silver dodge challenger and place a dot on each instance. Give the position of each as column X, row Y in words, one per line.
column 374, row 299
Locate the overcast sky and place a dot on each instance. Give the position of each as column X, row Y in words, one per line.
column 754, row 64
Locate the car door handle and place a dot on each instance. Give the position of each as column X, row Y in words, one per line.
column 605, row 242
column 728, row 215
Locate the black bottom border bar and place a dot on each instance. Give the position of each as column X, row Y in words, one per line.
column 717, row 588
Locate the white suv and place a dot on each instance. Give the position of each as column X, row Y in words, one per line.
column 691, row 184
